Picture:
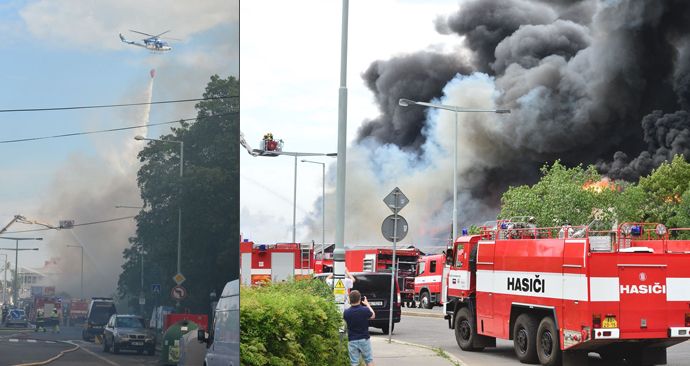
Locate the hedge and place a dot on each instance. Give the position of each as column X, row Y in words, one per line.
column 290, row 323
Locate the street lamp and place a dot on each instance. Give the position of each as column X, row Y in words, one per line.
column 4, row 283
column 179, row 207
column 15, row 288
column 323, row 202
column 81, row 292
column 406, row 102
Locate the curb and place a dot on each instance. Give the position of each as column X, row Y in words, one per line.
column 62, row 353
column 449, row 357
column 424, row 315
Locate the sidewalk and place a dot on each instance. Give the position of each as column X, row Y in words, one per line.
column 400, row 353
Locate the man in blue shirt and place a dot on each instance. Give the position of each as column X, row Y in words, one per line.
column 357, row 318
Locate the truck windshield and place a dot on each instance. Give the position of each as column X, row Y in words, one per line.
column 101, row 312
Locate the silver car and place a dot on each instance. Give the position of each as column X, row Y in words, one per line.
column 128, row 332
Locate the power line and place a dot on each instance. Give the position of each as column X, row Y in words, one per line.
column 111, row 129
column 82, row 224
column 114, row 105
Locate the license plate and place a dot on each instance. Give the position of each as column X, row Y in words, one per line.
column 376, row 303
column 609, row 322
column 137, row 343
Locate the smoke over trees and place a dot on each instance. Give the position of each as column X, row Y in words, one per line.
column 208, row 198
column 604, row 83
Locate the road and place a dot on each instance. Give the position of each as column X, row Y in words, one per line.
column 17, row 347
column 434, row 332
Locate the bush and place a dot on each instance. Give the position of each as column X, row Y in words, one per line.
column 290, row 323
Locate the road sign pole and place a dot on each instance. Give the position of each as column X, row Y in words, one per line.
column 393, row 275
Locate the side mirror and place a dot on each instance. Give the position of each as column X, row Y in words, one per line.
column 201, row 336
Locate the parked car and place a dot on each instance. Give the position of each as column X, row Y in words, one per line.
column 128, row 332
column 376, row 286
column 16, row 318
column 100, row 311
column 224, row 340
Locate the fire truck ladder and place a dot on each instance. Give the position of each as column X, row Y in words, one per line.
column 306, row 250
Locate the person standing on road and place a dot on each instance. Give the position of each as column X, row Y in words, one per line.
column 55, row 319
column 357, row 318
column 40, row 321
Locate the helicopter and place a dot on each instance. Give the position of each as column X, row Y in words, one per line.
column 153, row 42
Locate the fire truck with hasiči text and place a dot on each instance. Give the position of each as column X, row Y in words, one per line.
column 561, row 293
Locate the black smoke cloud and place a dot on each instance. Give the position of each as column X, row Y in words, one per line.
column 604, row 83
column 485, row 23
column 420, row 76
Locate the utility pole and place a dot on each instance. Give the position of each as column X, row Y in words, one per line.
column 15, row 290
column 339, row 251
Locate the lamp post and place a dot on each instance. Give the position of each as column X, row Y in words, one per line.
column 81, row 291
column 4, row 283
column 15, row 287
column 323, row 202
column 406, row 102
column 179, row 207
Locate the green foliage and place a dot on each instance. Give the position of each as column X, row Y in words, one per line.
column 207, row 193
column 290, row 323
column 663, row 190
column 559, row 197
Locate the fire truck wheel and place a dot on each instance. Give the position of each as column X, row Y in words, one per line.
column 548, row 343
column 426, row 301
column 524, row 338
column 465, row 331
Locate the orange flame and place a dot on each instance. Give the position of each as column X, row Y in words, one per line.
column 600, row 186
column 673, row 199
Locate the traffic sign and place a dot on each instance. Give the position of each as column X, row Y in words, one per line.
column 179, row 278
column 178, row 293
column 396, row 200
column 388, row 228
column 156, row 288
column 339, row 288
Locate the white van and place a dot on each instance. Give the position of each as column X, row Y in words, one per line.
column 224, row 340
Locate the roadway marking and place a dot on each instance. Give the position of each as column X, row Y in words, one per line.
column 99, row 357
column 31, row 340
column 14, row 340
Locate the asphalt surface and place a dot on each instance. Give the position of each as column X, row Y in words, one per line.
column 18, row 347
column 430, row 330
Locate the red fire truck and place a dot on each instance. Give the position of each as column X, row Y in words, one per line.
column 381, row 260
column 274, row 262
column 428, row 284
column 560, row 293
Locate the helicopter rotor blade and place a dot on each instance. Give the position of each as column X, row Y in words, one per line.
column 161, row 34
column 146, row 34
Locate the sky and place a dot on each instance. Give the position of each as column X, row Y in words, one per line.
column 60, row 53
column 290, row 60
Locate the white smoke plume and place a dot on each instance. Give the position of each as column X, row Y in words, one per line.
column 87, row 189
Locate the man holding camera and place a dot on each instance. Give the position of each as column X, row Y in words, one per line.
column 357, row 318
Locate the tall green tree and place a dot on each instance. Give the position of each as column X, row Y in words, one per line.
column 562, row 195
column 208, row 194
